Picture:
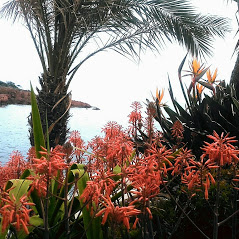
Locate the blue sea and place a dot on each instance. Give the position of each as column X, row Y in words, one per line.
column 14, row 126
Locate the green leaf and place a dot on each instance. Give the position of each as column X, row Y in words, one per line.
column 36, row 199
column 173, row 116
column 181, row 66
column 2, row 234
column 180, row 80
column 35, row 221
column 207, row 85
column 116, row 170
column 170, row 90
column 183, row 112
column 20, row 187
column 92, row 225
column 119, row 194
column 47, row 136
column 26, row 174
column 199, row 76
column 55, row 205
column 37, row 126
column 236, row 102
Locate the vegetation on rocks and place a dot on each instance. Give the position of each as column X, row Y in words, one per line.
column 12, row 94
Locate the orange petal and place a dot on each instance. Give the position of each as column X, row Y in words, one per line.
column 214, row 75
column 135, row 223
column 150, row 214
column 209, row 77
column 206, row 192
column 212, row 178
column 18, row 223
column 105, row 217
column 24, row 226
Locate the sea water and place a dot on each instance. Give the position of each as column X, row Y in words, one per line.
column 14, row 127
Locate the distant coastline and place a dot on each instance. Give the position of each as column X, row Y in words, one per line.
column 11, row 94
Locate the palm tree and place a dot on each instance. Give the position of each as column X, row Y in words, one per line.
column 235, row 72
column 62, row 29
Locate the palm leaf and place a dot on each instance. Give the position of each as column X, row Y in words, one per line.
column 37, row 126
column 130, row 26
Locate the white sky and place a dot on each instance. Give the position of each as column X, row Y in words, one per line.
column 108, row 79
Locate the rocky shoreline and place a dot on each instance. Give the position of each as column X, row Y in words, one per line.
column 9, row 95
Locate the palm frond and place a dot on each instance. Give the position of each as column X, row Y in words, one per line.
column 64, row 27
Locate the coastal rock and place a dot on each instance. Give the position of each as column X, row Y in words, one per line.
column 95, row 108
column 3, row 98
column 9, row 95
column 79, row 104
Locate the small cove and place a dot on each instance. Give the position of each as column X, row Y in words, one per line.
column 14, row 126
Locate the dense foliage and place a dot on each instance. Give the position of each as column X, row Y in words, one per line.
column 67, row 33
column 136, row 182
column 9, row 84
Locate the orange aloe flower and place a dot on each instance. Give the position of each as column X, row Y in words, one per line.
column 78, row 143
column 31, row 154
column 50, row 163
column 13, row 169
column 198, row 177
column 135, row 118
column 184, row 161
column 117, row 214
column 146, row 180
column 15, row 212
column 136, row 113
column 161, row 156
column 102, row 184
column 112, row 129
column 146, row 185
column 91, row 193
column 119, row 150
column 221, row 151
column 177, row 130
column 39, row 183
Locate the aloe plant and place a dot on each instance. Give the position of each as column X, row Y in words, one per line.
column 202, row 115
column 60, row 208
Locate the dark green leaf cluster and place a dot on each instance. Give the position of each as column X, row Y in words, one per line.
column 219, row 112
column 9, row 84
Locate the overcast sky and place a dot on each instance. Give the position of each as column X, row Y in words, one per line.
column 108, row 79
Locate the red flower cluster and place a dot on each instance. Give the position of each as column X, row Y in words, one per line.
column 115, row 148
column 15, row 212
column 13, row 169
column 117, row 214
column 221, row 151
column 135, row 118
column 49, row 164
column 124, row 181
column 177, row 130
column 78, row 146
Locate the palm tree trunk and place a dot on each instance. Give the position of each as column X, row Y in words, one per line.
column 53, row 103
column 235, row 76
